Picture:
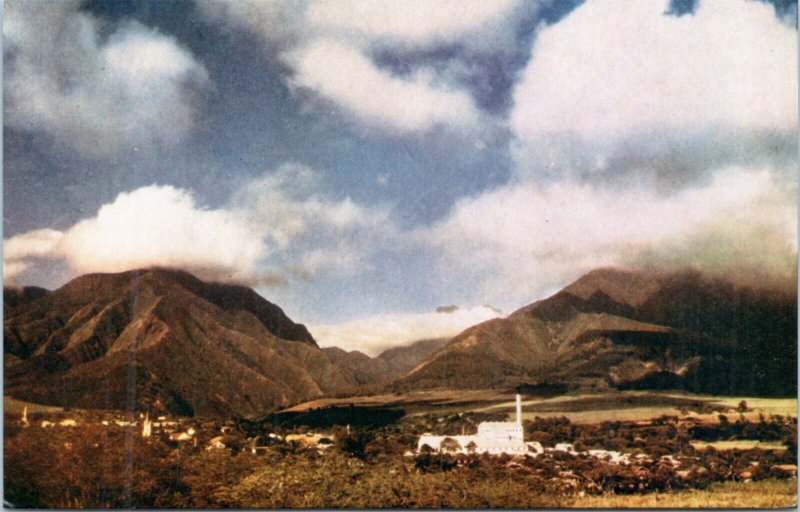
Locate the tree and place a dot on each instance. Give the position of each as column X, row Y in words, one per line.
column 450, row 445
column 426, row 448
column 354, row 443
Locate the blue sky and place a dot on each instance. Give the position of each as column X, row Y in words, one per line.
column 362, row 163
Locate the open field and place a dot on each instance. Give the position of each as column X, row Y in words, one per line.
column 578, row 408
column 645, row 405
column 416, row 401
column 763, row 494
column 739, row 444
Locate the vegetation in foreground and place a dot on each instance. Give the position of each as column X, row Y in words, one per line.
column 762, row 494
column 105, row 466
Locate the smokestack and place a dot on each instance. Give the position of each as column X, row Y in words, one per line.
column 519, row 409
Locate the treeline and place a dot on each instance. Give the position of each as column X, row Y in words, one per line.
column 326, row 417
column 665, row 436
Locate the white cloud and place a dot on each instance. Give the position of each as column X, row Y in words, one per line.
column 162, row 226
column 418, row 22
column 22, row 251
column 615, row 68
column 288, row 199
column 523, row 239
column 150, row 226
column 275, row 224
column 135, row 88
column 373, row 334
column 344, row 75
column 330, row 48
column 318, row 232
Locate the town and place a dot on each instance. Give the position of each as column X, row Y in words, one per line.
column 561, row 460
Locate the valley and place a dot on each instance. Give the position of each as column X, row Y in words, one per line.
column 157, row 389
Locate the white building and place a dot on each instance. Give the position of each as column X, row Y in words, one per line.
column 494, row 437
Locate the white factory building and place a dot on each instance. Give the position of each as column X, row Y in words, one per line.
column 494, row 437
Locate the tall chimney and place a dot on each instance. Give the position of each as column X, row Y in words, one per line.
column 519, row 409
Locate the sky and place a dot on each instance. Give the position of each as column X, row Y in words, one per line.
column 390, row 171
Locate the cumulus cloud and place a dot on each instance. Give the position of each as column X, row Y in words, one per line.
column 162, row 225
column 612, row 69
column 288, row 200
column 150, row 226
column 527, row 238
column 98, row 95
column 642, row 139
column 340, row 53
column 273, row 225
column 374, row 334
column 345, row 76
column 312, row 232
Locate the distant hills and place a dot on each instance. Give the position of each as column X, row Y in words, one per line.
column 629, row 330
column 160, row 339
column 390, row 363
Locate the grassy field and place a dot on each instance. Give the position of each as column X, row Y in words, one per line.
column 762, row 494
column 644, row 405
column 739, row 444
column 416, row 401
column 579, row 408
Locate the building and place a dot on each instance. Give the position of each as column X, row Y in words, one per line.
column 494, row 437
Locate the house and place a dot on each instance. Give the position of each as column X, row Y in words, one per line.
column 493, row 437
column 183, row 436
column 217, row 443
column 310, row 439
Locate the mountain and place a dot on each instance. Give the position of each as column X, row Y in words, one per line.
column 164, row 340
column 16, row 296
column 360, row 367
column 402, row 359
column 390, row 363
column 631, row 330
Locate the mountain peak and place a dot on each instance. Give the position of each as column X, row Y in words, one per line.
column 194, row 347
column 229, row 297
column 628, row 287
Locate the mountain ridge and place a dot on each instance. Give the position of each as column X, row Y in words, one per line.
column 624, row 328
column 162, row 339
